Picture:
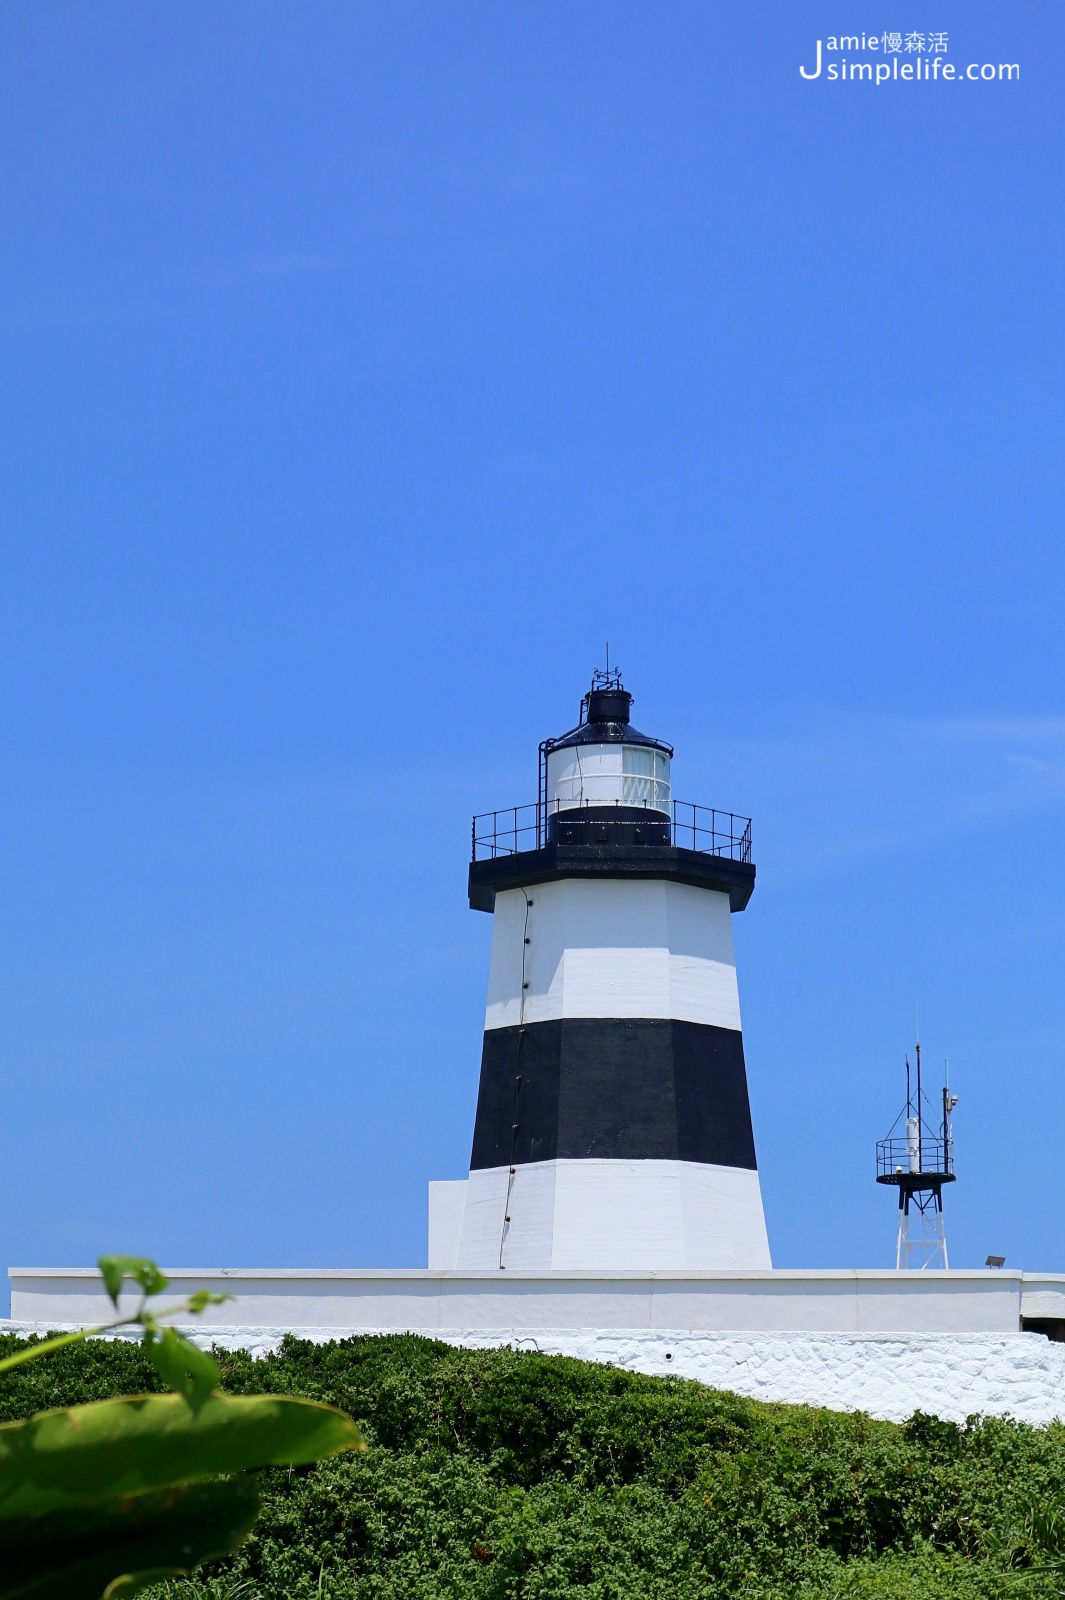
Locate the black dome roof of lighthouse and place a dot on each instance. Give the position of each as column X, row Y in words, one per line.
column 605, row 720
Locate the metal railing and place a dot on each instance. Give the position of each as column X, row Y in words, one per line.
column 691, row 827
column 714, row 833
column 904, row 1155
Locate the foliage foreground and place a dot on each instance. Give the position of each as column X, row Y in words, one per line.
column 499, row 1474
column 103, row 1499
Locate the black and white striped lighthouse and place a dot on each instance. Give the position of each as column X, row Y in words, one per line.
column 613, row 1126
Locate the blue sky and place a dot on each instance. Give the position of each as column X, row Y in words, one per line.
column 365, row 367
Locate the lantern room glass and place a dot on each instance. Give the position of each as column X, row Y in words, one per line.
column 645, row 777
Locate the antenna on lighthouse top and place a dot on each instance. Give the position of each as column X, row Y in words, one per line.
column 603, row 678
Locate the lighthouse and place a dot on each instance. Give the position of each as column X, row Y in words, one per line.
column 613, row 1126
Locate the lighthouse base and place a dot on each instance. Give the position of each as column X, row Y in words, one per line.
column 671, row 1216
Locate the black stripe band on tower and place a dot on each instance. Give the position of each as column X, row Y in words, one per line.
column 629, row 1088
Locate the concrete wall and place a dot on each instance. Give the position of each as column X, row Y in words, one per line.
column 890, row 1375
column 447, row 1203
column 617, row 1214
column 704, row 1302
column 954, row 1376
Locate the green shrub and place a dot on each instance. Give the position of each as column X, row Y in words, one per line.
column 500, row 1475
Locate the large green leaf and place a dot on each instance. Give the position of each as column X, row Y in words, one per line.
column 122, row 1544
column 144, row 1273
column 182, row 1365
column 124, row 1447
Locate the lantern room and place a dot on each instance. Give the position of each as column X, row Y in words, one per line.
column 605, row 761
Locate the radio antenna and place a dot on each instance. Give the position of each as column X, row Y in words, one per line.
column 918, row 1160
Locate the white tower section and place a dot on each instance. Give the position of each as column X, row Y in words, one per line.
column 617, row 965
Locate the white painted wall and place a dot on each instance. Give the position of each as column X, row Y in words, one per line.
column 447, row 1201
column 954, row 1376
column 491, row 1301
column 891, row 1375
column 606, row 948
column 587, row 774
column 614, row 1215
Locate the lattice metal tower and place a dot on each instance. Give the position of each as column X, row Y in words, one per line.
column 918, row 1159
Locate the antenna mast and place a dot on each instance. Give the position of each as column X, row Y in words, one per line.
column 918, row 1160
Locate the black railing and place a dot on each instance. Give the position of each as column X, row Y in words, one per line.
column 691, row 827
column 897, row 1157
column 715, row 833
column 506, row 833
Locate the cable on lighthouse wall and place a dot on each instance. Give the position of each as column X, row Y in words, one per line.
column 504, row 1230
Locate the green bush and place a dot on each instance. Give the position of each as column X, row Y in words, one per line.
column 499, row 1475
